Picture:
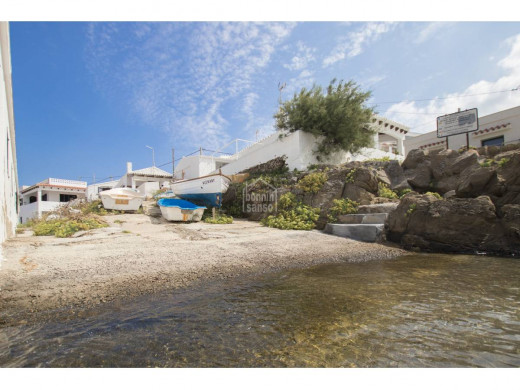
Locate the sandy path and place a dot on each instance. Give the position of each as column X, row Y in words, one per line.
column 144, row 254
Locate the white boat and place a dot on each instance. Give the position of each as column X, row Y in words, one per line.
column 205, row 189
column 124, row 199
column 180, row 210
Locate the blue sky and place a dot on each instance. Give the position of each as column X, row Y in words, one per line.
column 89, row 96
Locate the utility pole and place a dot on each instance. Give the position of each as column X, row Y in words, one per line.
column 280, row 88
column 173, row 163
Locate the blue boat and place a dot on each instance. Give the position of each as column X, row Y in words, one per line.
column 180, row 210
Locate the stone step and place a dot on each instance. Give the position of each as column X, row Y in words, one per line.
column 363, row 218
column 361, row 232
column 378, row 208
column 150, row 208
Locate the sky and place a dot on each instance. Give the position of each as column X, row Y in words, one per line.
column 90, row 96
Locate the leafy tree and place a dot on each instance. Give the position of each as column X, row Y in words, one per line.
column 339, row 115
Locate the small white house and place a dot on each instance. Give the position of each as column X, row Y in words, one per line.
column 146, row 180
column 299, row 149
column 48, row 195
column 93, row 190
column 499, row 128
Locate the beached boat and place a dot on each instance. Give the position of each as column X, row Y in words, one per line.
column 206, row 190
column 124, row 199
column 180, row 210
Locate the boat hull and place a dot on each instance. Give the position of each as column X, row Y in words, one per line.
column 177, row 210
column 121, row 199
column 206, row 190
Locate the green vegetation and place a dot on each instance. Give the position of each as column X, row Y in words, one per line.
column 411, row 209
column 119, row 221
column 402, row 193
column 127, row 231
column 350, row 176
column 313, row 182
column 487, row 163
column 385, row 192
column 66, row 227
column 219, row 219
column 292, row 215
column 436, row 194
column 339, row 115
column 341, row 207
column 503, row 162
column 69, row 219
column 381, row 159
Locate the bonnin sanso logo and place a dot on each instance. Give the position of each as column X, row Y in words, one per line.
column 259, row 197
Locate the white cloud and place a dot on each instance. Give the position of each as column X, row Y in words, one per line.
column 423, row 118
column 430, row 30
column 353, row 44
column 302, row 59
column 179, row 76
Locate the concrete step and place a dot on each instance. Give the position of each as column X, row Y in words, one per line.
column 150, row 208
column 363, row 218
column 362, row 232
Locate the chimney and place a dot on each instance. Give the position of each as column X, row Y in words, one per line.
column 128, row 167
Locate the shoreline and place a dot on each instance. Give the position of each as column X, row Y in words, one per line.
column 146, row 255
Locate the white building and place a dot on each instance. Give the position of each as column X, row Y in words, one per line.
column 299, row 149
column 8, row 170
column 48, row 195
column 146, row 181
column 500, row 128
column 93, row 190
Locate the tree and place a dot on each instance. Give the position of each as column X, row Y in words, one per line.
column 340, row 116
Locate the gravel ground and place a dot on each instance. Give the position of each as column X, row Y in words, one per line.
column 139, row 254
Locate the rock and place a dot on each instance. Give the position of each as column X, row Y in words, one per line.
column 453, row 225
column 474, row 183
column 446, row 184
column 377, row 208
column 395, row 174
column 468, row 159
column 450, row 194
column 414, row 158
column 441, row 163
column 366, row 178
column 419, row 178
column 357, row 194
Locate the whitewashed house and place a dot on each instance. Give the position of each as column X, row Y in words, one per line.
column 93, row 190
column 8, row 169
column 48, row 195
column 299, row 149
column 499, row 128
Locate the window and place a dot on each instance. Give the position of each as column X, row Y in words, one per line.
column 67, row 197
column 497, row 141
column 44, row 197
column 32, row 199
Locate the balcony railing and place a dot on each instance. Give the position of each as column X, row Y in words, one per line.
column 65, row 182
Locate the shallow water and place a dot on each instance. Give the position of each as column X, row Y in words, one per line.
column 414, row 311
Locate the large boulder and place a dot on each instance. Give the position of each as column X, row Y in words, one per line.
column 420, row 178
column 474, row 182
column 453, row 225
column 357, row 194
column 395, row 176
column 414, row 158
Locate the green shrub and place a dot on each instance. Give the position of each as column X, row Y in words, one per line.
column 65, row 227
column 503, row 162
column 292, row 215
column 313, row 182
column 385, row 192
column 385, row 158
column 436, row 194
column 487, row 163
column 219, row 219
column 350, row 176
column 404, row 192
column 341, row 207
column 411, row 209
